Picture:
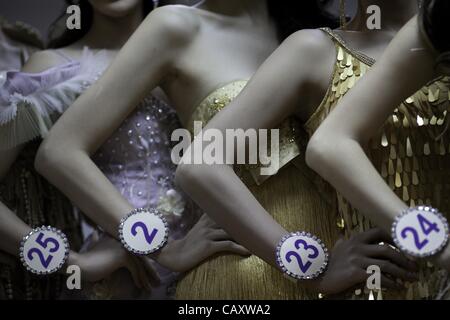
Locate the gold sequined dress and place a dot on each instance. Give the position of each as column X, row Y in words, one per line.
column 288, row 195
column 411, row 152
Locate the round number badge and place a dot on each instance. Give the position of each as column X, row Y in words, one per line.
column 44, row 250
column 420, row 232
column 302, row 256
column 143, row 231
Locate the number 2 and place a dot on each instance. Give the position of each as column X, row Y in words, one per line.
column 148, row 237
column 45, row 262
column 419, row 244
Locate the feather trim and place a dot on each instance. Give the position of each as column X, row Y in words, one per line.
column 31, row 103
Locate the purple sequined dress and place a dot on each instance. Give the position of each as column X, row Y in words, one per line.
column 136, row 158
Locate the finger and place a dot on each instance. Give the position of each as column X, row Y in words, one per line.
column 230, row 246
column 390, row 284
column 392, row 269
column 142, row 273
column 132, row 268
column 204, row 222
column 152, row 273
column 384, row 252
column 218, row 235
column 375, row 235
column 210, row 222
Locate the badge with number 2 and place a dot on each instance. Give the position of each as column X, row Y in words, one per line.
column 143, row 231
column 302, row 256
column 420, row 232
column 44, row 250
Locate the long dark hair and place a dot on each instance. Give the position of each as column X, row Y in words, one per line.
column 434, row 20
column 60, row 36
column 293, row 15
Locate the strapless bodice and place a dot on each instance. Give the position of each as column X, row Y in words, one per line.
column 291, row 140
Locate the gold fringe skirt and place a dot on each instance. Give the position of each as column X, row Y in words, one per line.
column 297, row 205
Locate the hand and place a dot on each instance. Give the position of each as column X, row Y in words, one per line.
column 350, row 259
column 108, row 256
column 202, row 241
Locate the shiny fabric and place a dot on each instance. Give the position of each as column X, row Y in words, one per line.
column 411, row 152
column 137, row 160
column 291, row 199
column 31, row 103
column 24, row 191
column 37, row 203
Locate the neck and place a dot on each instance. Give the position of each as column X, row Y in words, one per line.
column 251, row 8
column 112, row 33
column 394, row 14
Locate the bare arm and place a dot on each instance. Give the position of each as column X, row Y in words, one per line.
column 336, row 150
column 64, row 157
column 263, row 104
column 12, row 228
column 229, row 202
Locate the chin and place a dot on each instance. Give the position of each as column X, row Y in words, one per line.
column 116, row 8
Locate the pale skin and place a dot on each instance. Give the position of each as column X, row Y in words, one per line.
column 170, row 34
column 107, row 255
column 302, row 67
column 189, row 41
column 337, row 152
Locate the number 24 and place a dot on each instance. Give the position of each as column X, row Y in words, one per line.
column 426, row 226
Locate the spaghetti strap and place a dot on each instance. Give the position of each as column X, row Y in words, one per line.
column 359, row 55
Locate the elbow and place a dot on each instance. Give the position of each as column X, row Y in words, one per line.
column 45, row 158
column 51, row 158
column 319, row 153
column 186, row 175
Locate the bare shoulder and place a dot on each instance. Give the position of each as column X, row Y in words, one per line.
column 174, row 22
column 312, row 43
column 41, row 61
column 312, row 53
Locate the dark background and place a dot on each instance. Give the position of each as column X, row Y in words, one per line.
column 38, row 13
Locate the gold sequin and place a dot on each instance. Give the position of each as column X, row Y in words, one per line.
column 412, row 149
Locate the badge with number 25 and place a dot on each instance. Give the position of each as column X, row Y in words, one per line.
column 44, row 250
